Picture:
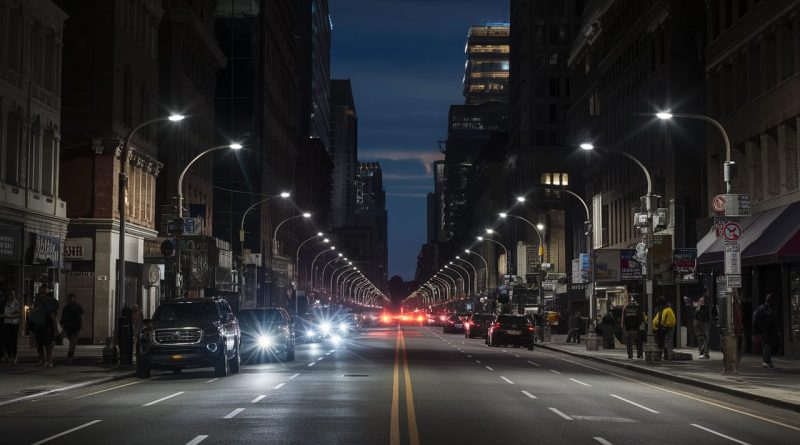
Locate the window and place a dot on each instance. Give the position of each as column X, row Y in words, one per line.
column 555, row 86
column 552, row 59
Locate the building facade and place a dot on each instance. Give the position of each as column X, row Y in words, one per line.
column 314, row 27
column 344, row 152
column 486, row 70
column 371, row 212
column 752, row 70
column 33, row 216
column 110, row 85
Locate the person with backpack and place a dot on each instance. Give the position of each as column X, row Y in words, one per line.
column 664, row 324
column 632, row 318
column 702, row 326
column 42, row 319
column 765, row 323
column 71, row 322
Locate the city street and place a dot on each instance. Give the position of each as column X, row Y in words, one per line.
column 400, row 385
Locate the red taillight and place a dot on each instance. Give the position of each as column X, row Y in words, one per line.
column 496, row 326
column 419, row 319
column 385, row 318
column 531, row 329
column 442, row 317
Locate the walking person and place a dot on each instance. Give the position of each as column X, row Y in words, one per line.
column 43, row 324
column 632, row 318
column 10, row 326
column 71, row 323
column 664, row 323
column 765, row 323
column 702, row 326
column 575, row 327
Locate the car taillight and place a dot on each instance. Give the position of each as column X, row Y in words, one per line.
column 442, row 317
column 385, row 319
column 477, row 325
column 419, row 319
column 496, row 326
column 531, row 329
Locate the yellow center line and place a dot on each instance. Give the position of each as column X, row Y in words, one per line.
column 413, row 433
column 394, row 435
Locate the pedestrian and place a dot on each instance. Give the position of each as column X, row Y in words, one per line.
column 607, row 329
column 631, row 322
column 664, row 324
column 71, row 323
column 702, row 325
column 43, row 324
column 136, row 322
column 10, row 326
column 765, row 323
column 575, row 327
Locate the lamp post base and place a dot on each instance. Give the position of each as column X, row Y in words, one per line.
column 652, row 354
column 592, row 342
column 730, row 355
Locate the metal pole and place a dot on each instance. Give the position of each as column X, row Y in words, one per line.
column 475, row 273
column 331, row 249
column 466, row 272
column 485, row 265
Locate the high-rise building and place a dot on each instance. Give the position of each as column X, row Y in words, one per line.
column 314, row 26
column 344, row 152
column 33, row 216
column 752, row 72
column 371, row 212
column 486, row 69
column 111, row 85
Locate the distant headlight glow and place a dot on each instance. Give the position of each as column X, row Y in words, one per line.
column 264, row 341
column 325, row 327
column 344, row 327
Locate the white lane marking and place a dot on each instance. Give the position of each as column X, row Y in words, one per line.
column 327, row 353
column 259, row 398
column 507, row 380
column 553, row 370
column 515, row 355
column 163, row 398
column 233, row 413
column 707, row 402
column 489, row 368
column 581, row 383
column 719, row 434
column 469, row 355
column 535, row 364
column 197, row 440
column 478, row 362
column 64, row 433
column 294, row 376
column 312, row 363
column 634, row 404
column 279, row 385
column 105, row 390
column 320, row 358
column 212, row 380
column 529, row 395
column 332, row 350
column 602, row 441
column 564, row 416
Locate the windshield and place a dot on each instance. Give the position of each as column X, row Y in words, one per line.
column 260, row 316
column 206, row 311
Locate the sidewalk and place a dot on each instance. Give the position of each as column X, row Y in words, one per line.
column 25, row 379
column 778, row 386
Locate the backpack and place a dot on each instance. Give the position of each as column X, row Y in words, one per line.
column 632, row 317
column 37, row 316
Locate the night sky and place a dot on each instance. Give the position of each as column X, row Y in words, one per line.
column 406, row 61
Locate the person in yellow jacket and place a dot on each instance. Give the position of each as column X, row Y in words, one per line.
column 664, row 325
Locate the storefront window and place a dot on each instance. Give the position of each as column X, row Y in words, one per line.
column 794, row 295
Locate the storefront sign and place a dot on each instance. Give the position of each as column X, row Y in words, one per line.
column 76, row 249
column 10, row 244
column 684, row 263
column 629, row 268
column 46, row 250
column 607, row 266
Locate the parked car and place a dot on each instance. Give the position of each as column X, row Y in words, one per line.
column 478, row 325
column 515, row 330
column 455, row 324
column 190, row 333
column 267, row 331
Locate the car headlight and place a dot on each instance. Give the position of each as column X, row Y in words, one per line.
column 310, row 333
column 325, row 327
column 343, row 327
column 265, row 341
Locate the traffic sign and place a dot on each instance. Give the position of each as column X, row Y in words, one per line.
column 733, row 281
column 737, row 205
column 719, row 204
column 732, row 231
column 733, row 258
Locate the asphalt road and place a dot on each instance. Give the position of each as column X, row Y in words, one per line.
column 400, row 386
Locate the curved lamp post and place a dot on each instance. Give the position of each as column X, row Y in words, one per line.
column 297, row 254
column 464, row 282
column 474, row 271
column 283, row 195
column 305, row 215
column 485, row 267
column 314, row 261
column 474, row 280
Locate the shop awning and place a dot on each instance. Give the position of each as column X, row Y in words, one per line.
column 768, row 237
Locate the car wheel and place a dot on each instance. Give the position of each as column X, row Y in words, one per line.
column 290, row 353
column 142, row 371
column 222, row 368
column 235, row 363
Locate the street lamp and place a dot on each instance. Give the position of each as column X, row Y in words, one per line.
column 333, row 274
column 474, row 272
column 466, row 272
column 455, row 284
column 121, row 207
column 178, row 253
column 284, row 195
column 305, row 215
column 464, row 282
column 485, row 267
column 314, row 261
column 445, row 284
column 297, row 255
column 339, row 257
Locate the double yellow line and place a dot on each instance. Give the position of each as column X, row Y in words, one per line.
column 413, row 433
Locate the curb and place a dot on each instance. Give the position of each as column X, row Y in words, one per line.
column 680, row 379
column 100, row 381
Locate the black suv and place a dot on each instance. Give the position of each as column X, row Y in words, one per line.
column 478, row 325
column 267, row 331
column 508, row 329
column 190, row 333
